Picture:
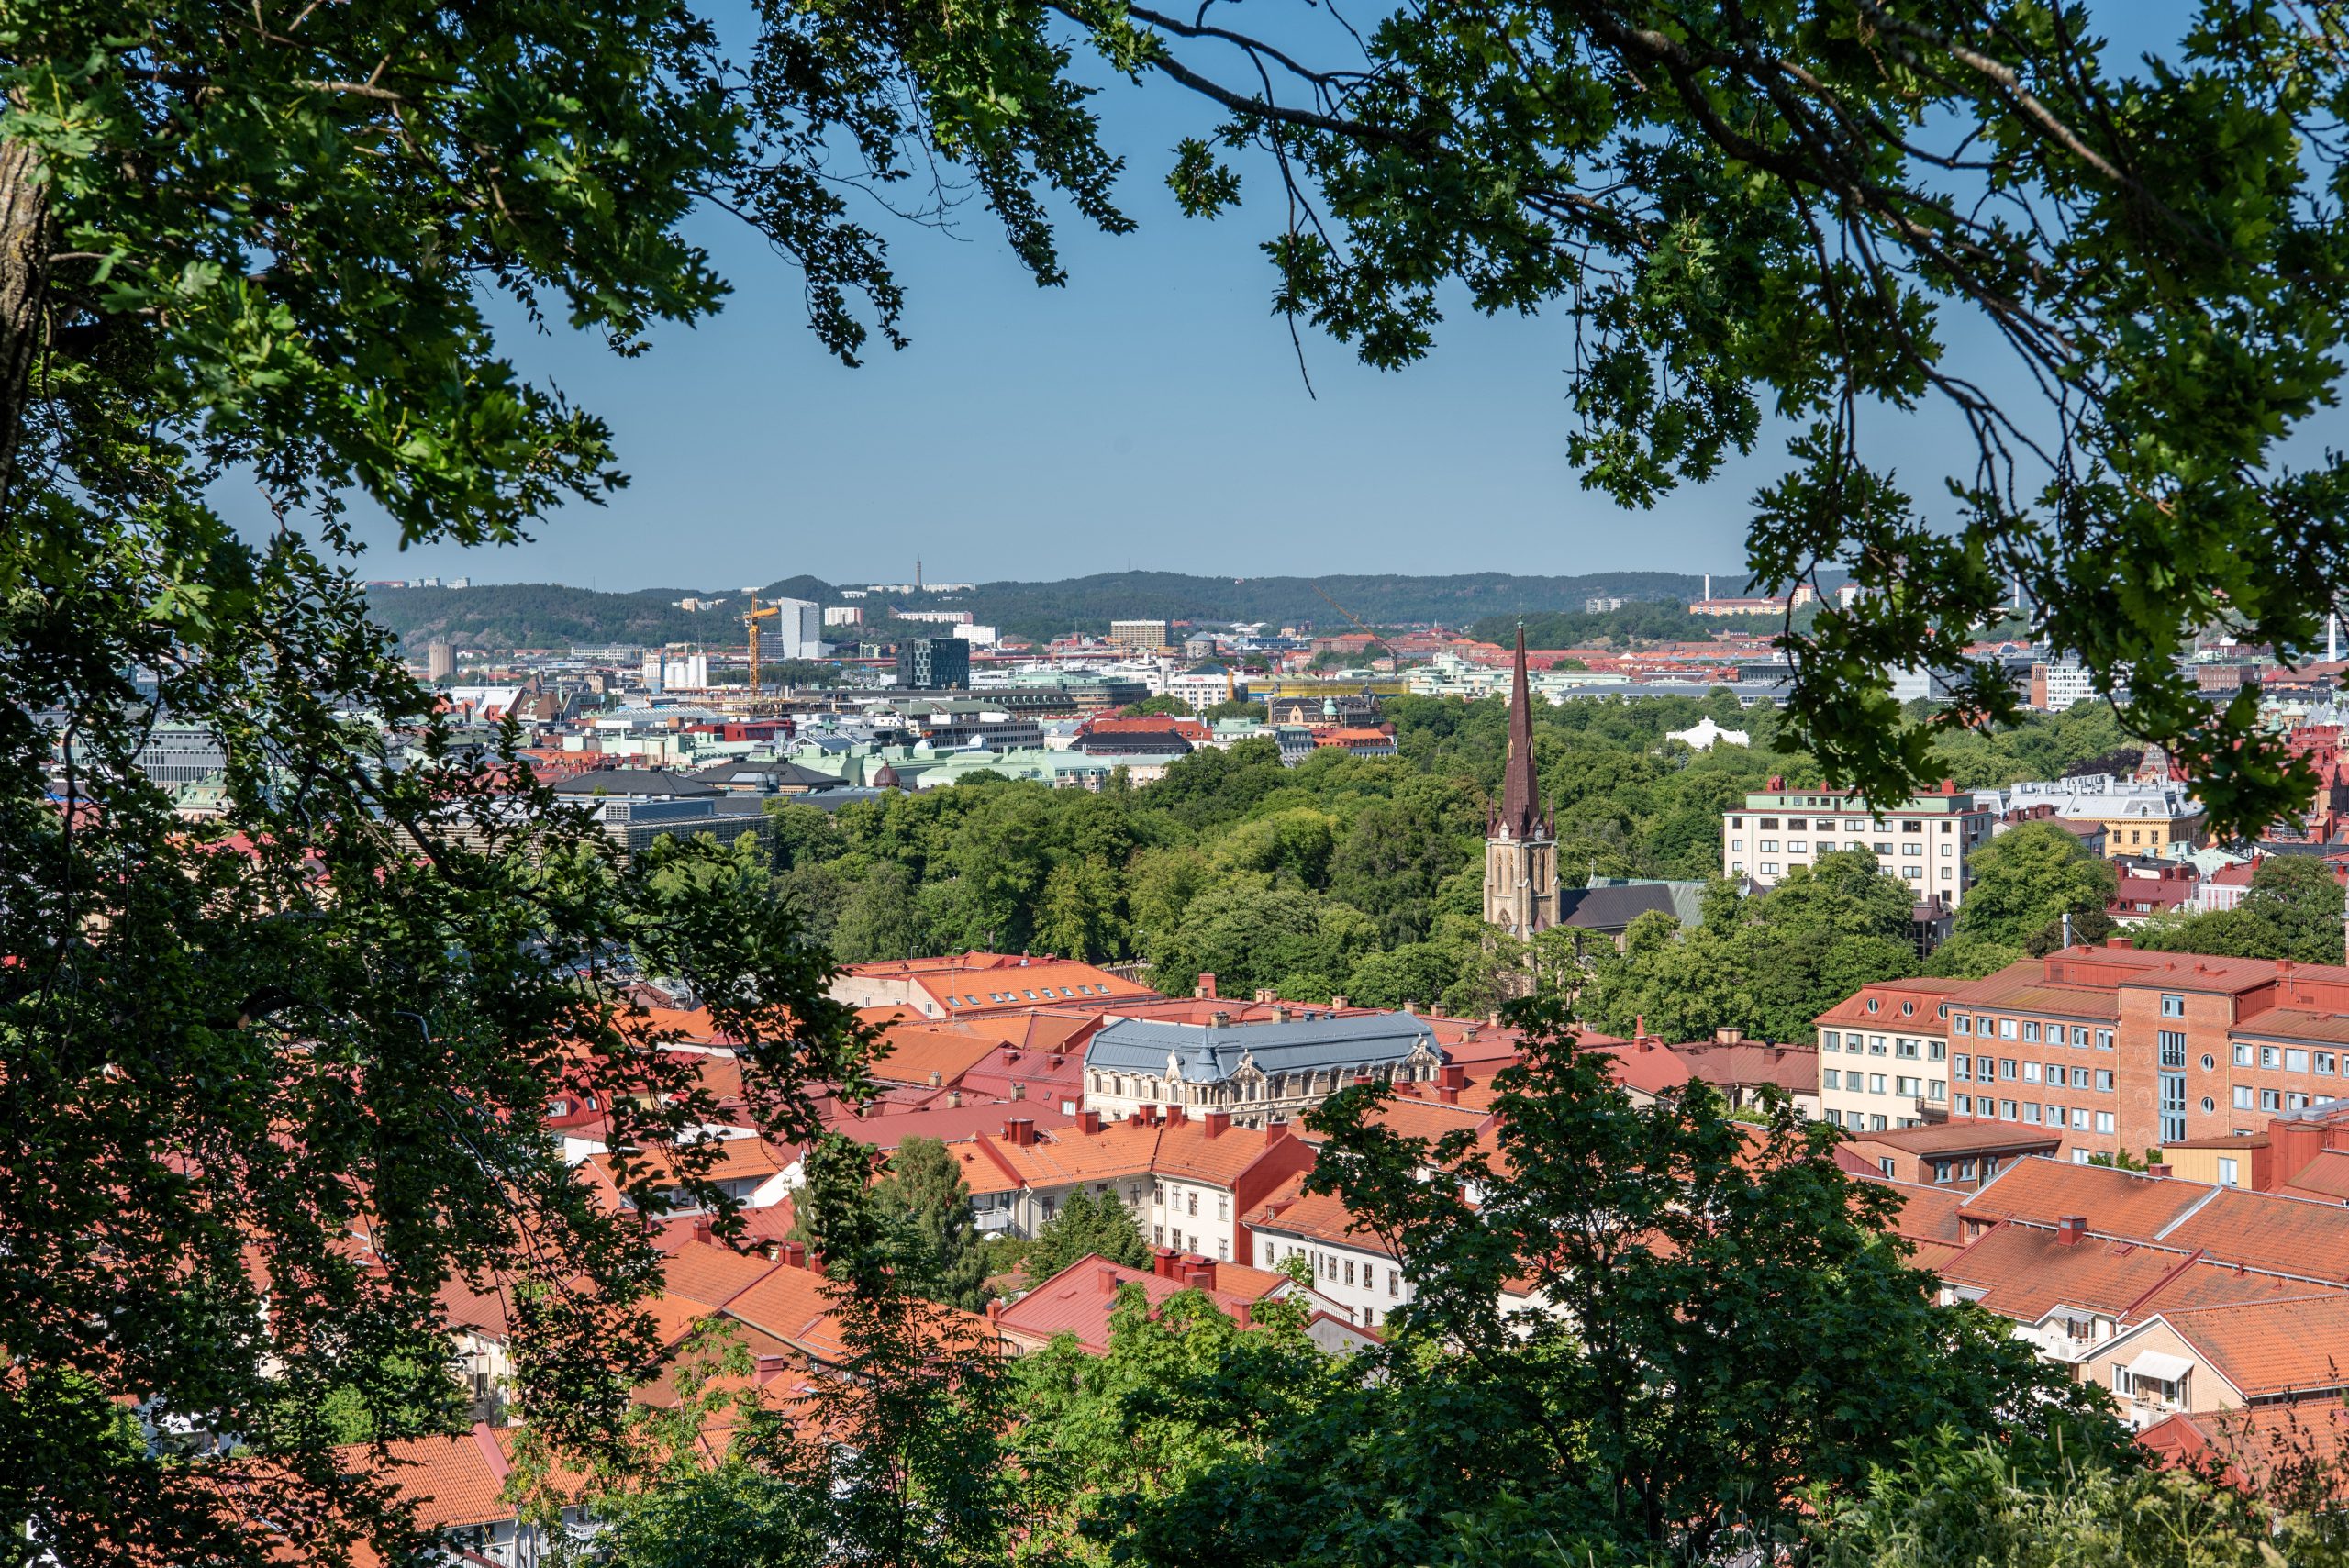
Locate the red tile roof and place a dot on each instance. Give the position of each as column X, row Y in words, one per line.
column 2270, row 1348
column 2114, row 1202
column 2269, row 1230
column 1079, row 1300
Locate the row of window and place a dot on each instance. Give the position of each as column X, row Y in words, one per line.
column 1831, row 824
column 972, row 1001
column 1858, row 1082
column 2054, row 1074
column 2080, row 1119
column 2030, row 1032
column 1914, row 874
column 1902, row 1046
column 1162, row 1236
column 1827, row 847
column 2290, row 1058
column 1859, row 1121
column 2247, row 1099
column 1331, row 1267
column 1188, row 1202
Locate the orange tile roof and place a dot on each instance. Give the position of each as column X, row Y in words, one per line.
column 735, row 1159
column 2213, row 1283
column 452, row 1481
column 1186, row 1150
column 2326, row 1176
column 1079, row 1298
column 1067, row 1155
column 2025, row 1271
column 790, row 1303
column 1928, row 1217
column 1321, row 1216
column 712, row 1275
column 2270, row 1348
column 2256, row 1441
column 1928, row 995
column 2269, row 1230
column 921, row 1054
column 2114, row 1202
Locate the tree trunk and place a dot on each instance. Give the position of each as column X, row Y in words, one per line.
column 25, row 247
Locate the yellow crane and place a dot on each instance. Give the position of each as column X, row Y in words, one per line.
column 750, row 620
column 1341, row 610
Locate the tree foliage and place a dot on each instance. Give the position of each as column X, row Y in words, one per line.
column 2292, row 910
column 2031, row 875
column 1087, row 1223
column 925, row 1190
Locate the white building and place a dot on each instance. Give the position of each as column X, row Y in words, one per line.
column 977, row 636
column 844, row 615
column 799, row 632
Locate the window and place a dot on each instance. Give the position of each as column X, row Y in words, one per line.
column 2080, row 1036
column 1910, row 1087
column 1947, row 849
column 1876, row 1045
column 1905, row 1048
column 1195, row 1206
column 2031, row 1072
column 1769, row 868
column 1223, row 1206
column 2104, row 1121
column 2208, row 1061
column 2006, row 1029
column 1797, row 846
column 2173, row 1106
column 1158, row 1236
column 1834, row 1118
column 1908, row 1008
column 1832, row 1078
column 1875, row 1124
column 1936, row 1088
column 2173, row 1006
column 1941, row 1170
column 1965, row 1024
column 2209, row 1104
column 2104, row 1080
column 2030, row 1032
column 1963, row 1067
column 1913, row 872
column 2007, row 1068
column 1349, row 1270
column 2228, row 1171
column 1769, row 846
column 1875, row 1082
column 1937, row 1051
column 1912, row 826
column 2269, row 1056
column 1737, row 843
column 1768, row 824
column 1884, row 849
column 1965, row 1105
column 1830, row 1041
column 1885, row 1165
column 2007, row 1111
column 1913, row 849
column 2243, row 1054
column 2243, row 1097
column 2031, row 1111
column 2104, row 1039
column 2269, row 1100
column 1394, row 1282
column 2326, row 1063
column 2296, row 1061
column 2173, row 1044
column 2079, row 1119
column 1872, row 1004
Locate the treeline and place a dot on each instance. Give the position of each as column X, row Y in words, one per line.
column 1341, row 876
column 549, row 615
column 1638, row 621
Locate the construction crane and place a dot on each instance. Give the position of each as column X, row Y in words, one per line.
column 750, row 620
column 1343, row 610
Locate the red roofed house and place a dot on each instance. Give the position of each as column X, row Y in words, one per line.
column 1355, row 1268
column 1079, row 1300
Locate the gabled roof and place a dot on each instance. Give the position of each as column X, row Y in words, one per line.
column 1317, row 1217
column 2270, row 1348
column 2325, row 1177
column 712, row 1275
column 453, row 1481
column 917, row 1054
column 1192, row 1152
column 1794, row 1068
column 647, row 783
column 1928, row 1220
column 2269, row 1230
column 2025, row 1271
column 2115, row 1203
column 1079, row 1299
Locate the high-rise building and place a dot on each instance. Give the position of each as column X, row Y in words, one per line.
column 843, row 615
column 1140, row 636
column 933, row 663
column 799, row 632
column 1520, row 841
column 440, row 660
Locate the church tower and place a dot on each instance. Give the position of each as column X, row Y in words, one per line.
column 1520, row 840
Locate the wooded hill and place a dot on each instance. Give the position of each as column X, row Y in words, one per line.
column 548, row 614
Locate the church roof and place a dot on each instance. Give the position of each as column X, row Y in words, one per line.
column 1520, row 804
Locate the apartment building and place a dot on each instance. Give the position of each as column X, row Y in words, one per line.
column 2139, row 816
column 1927, row 841
column 2120, row 1049
column 1140, row 636
column 1884, row 1055
column 1351, row 1268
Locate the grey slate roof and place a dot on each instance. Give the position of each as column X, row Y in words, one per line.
column 653, row 783
column 1205, row 1054
column 772, row 775
column 1611, row 904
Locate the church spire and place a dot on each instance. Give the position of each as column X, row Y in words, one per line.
column 1521, row 805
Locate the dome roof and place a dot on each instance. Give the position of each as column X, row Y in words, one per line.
column 885, row 777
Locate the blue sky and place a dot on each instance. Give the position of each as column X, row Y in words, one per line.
column 1150, row 414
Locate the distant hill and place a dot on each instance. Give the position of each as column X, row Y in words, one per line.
column 548, row 614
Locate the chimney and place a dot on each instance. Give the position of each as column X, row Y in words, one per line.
column 1215, row 1122
column 1241, row 1316
column 1088, row 1122
column 1728, row 1034
column 2157, row 1168
column 1019, row 1130
column 1176, row 1116
column 1494, row 1018
column 994, row 1307
column 1468, row 1035
column 2072, row 1229
column 953, row 1099
column 1639, row 1026
column 1412, row 1008
column 795, row 1254
column 1280, row 1015
column 768, row 1368
column 1336, row 1002
column 1207, row 988
column 1447, row 1094
column 704, row 1228
column 1107, row 1276
column 1435, row 1009
column 1161, row 1262
column 1452, row 1075
column 936, row 1079
column 1218, row 1019
column 2120, row 943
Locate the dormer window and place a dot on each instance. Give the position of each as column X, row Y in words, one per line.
column 1872, row 1004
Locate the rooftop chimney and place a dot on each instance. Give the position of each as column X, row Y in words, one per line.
column 703, row 1228
column 1019, row 1130
column 2157, row 1168
column 1207, row 988
column 1107, row 1276
column 2122, row 943
column 953, row 1099
column 1494, row 1018
column 2072, row 1229
column 1729, row 1034
column 1161, row 1262
column 1280, row 1015
column 1447, row 1094
column 795, row 1254
column 936, row 1079
column 994, row 1307
column 1411, row 1008
column 1337, row 1002
column 1215, row 1122
column 1218, row 1019
column 1452, row 1075
column 1088, row 1122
